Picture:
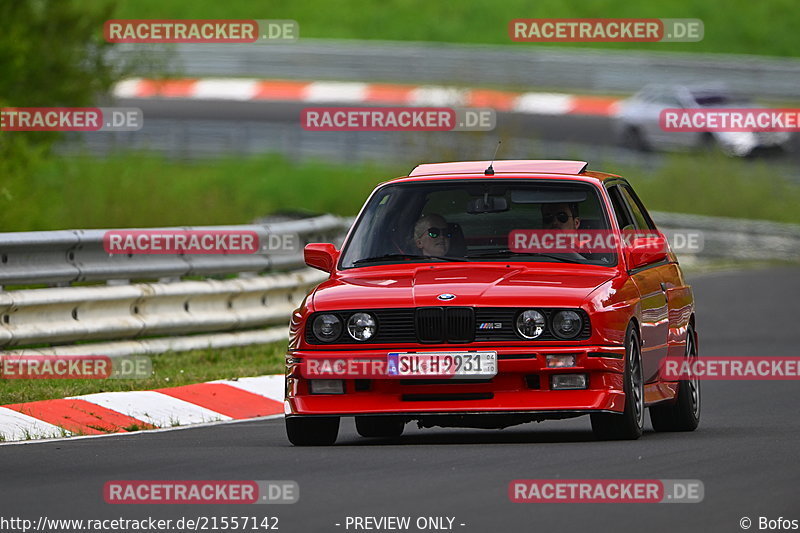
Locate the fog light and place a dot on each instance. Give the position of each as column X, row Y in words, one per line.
column 568, row 381
column 326, row 386
column 560, row 360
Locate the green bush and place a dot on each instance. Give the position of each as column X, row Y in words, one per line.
column 51, row 54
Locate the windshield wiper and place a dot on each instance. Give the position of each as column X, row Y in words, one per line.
column 390, row 257
column 511, row 253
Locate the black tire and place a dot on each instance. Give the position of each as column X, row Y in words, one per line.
column 629, row 424
column 633, row 138
column 312, row 431
column 683, row 414
column 710, row 146
column 380, row 426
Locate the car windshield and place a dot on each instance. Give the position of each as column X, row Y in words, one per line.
column 718, row 99
column 472, row 220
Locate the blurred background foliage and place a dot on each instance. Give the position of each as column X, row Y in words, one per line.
column 52, row 54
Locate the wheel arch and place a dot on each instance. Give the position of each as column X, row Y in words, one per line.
column 637, row 327
column 694, row 329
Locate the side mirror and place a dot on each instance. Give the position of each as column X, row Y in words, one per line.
column 321, row 255
column 647, row 250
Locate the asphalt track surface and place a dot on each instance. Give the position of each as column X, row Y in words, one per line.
column 578, row 129
column 745, row 452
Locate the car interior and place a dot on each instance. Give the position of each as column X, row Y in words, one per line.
column 479, row 217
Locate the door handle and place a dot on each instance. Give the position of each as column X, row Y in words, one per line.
column 663, row 287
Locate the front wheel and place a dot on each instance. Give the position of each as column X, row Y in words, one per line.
column 684, row 413
column 629, row 424
column 634, row 139
column 312, row 431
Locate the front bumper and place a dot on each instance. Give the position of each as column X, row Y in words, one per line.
column 522, row 385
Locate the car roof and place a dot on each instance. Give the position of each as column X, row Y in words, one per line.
column 550, row 166
column 510, row 168
column 705, row 87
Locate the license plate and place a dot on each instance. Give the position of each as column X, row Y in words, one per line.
column 442, row 364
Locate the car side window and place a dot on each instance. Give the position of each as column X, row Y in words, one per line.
column 641, row 217
column 620, row 209
column 668, row 100
column 646, row 96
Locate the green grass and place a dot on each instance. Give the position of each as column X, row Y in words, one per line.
column 717, row 186
column 140, row 190
column 765, row 27
column 169, row 370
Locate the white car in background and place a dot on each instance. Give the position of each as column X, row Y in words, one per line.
column 637, row 121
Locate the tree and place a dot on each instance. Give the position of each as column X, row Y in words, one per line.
column 52, row 53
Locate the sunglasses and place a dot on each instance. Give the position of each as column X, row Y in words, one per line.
column 434, row 233
column 562, row 217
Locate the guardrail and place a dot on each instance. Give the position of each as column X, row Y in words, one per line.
column 145, row 310
column 69, row 256
column 522, row 65
column 737, row 239
column 123, row 318
column 168, row 314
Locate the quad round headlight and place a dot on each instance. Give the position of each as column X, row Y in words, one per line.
column 530, row 324
column 327, row 327
column 567, row 324
column 361, row 326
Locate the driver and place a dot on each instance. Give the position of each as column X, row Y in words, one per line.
column 560, row 216
column 563, row 216
column 431, row 235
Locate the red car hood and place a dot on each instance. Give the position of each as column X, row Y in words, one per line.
column 477, row 285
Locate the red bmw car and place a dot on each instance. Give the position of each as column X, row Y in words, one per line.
column 441, row 309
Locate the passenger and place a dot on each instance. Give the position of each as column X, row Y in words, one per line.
column 431, row 235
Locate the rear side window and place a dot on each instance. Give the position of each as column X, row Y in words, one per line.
column 641, row 217
column 620, row 209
